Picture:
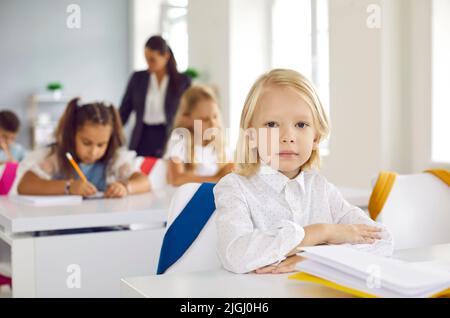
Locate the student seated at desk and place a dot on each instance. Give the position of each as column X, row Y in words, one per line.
column 10, row 151
column 276, row 202
column 197, row 158
column 92, row 134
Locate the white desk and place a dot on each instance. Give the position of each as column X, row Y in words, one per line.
column 21, row 217
column 51, row 265
column 222, row 284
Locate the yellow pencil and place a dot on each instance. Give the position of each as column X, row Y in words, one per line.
column 76, row 167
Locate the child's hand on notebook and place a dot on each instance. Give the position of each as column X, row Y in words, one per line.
column 353, row 234
column 116, row 190
column 286, row 266
column 85, row 189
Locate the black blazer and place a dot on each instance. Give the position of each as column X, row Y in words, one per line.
column 135, row 96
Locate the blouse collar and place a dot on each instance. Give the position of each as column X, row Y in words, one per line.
column 277, row 180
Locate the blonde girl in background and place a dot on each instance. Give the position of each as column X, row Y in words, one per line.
column 196, row 151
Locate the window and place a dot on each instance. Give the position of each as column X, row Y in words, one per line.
column 440, row 133
column 300, row 41
column 174, row 29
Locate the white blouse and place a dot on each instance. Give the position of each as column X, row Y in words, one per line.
column 206, row 157
column 260, row 219
column 154, row 103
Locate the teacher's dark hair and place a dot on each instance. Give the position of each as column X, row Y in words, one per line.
column 157, row 43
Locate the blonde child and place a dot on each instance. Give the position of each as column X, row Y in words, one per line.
column 276, row 202
column 196, row 151
column 92, row 134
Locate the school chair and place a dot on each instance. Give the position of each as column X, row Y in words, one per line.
column 190, row 240
column 8, row 175
column 156, row 170
column 415, row 208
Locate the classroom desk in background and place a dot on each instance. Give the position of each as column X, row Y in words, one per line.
column 222, row 284
column 356, row 196
column 51, row 265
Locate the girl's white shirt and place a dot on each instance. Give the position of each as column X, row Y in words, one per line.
column 207, row 162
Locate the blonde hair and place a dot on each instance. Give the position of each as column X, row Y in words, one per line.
column 301, row 85
column 189, row 100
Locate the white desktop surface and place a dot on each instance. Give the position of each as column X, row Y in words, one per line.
column 148, row 208
column 222, row 284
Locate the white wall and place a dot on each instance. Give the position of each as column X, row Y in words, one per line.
column 209, row 45
column 355, row 97
column 145, row 22
column 37, row 47
column 395, row 141
column 380, row 90
column 380, row 78
column 441, row 78
column 249, row 52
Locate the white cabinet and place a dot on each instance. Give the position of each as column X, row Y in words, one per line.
column 44, row 111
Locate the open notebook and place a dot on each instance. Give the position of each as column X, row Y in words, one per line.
column 366, row 275
column 51, row 200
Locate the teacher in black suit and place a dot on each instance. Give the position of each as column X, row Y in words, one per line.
column 154, row 95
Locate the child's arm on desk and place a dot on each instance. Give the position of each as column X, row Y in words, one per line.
column 353, row 227
column 31, row 184
column 317, row 234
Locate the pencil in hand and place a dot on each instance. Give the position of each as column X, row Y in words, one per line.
column 76, row 167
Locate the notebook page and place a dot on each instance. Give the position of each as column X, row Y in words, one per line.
column 394, row 272
column 47, row 200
